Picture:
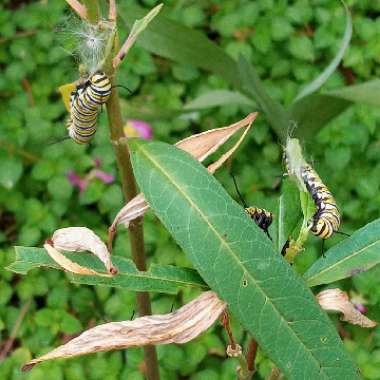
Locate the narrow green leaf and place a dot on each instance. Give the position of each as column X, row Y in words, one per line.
column 172, row 40
column 159, row 278
column 314, row 111
column 367, row 92
column 317, row 83
column 307, row 205
column 140, row 25
column 288, row 214
column 357, row 253
column 137, row 28
column 139, row 111
column 218, row 98
column 239, row 262
column 274, row 111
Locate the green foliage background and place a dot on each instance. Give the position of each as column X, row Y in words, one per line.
column 289, row 43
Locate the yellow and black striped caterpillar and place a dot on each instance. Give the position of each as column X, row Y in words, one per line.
column 326, row 219
column 263, row 218
column 85, row 104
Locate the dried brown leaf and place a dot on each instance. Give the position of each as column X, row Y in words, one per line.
column 76, row 239
column 212, row 168
column 337, row 300
column 69, row 265
column 134, row 209
column 200, row 146
column 180, row 326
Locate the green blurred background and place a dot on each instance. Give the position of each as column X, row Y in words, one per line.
column 289, row 43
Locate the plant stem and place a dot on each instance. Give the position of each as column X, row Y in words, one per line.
column 92, row 8
column 251, row 355
column 136, row 236
column 8, row 344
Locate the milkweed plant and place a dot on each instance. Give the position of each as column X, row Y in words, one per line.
column 243, row 271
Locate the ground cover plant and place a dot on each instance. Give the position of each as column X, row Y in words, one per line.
column 195, row 68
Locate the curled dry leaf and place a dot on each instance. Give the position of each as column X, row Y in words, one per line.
column 69, row 265
column 134, row 209
column 337, row 300
column 180, row 326
column 212, row 168
column 76, row 239
column 200, row 146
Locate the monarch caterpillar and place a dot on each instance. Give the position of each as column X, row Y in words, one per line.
column 263, row 218
column 326, row 219
column 85, row 104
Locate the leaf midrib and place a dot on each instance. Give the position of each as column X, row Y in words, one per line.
column 138, row 275
column 224, row 243
column 326, row 270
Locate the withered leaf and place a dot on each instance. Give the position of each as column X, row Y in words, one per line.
column 69, row 265
column 202, row 145
column 337, row 300
column 75, row 239
column 180, row 326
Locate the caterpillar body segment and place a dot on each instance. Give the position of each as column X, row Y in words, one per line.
column 326, row 219
column 85, row 104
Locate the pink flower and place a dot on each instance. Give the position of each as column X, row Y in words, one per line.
column 82, row 182
column 103, row 176
column 77, row 181
column 138, row 128
column 361, row 308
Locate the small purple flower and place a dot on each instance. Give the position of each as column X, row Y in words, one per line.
column 103, row 176
column 82, row 182
column 98, row 162
column 361, row 308
column 76, row 181
column 138, row 128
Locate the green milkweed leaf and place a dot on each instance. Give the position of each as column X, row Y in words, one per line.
column 218, row 98
column 288, row 214
column 367, row 92
column 274, row 111
column 309, row 112
column 239, row 262
column 317, row 83
column 172, row 40
column 159, row 278
column 314, row 111
column 137, row 28
column 357, row 253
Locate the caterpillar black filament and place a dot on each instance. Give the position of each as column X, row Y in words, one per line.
column 326, row 219
column 85, row 104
